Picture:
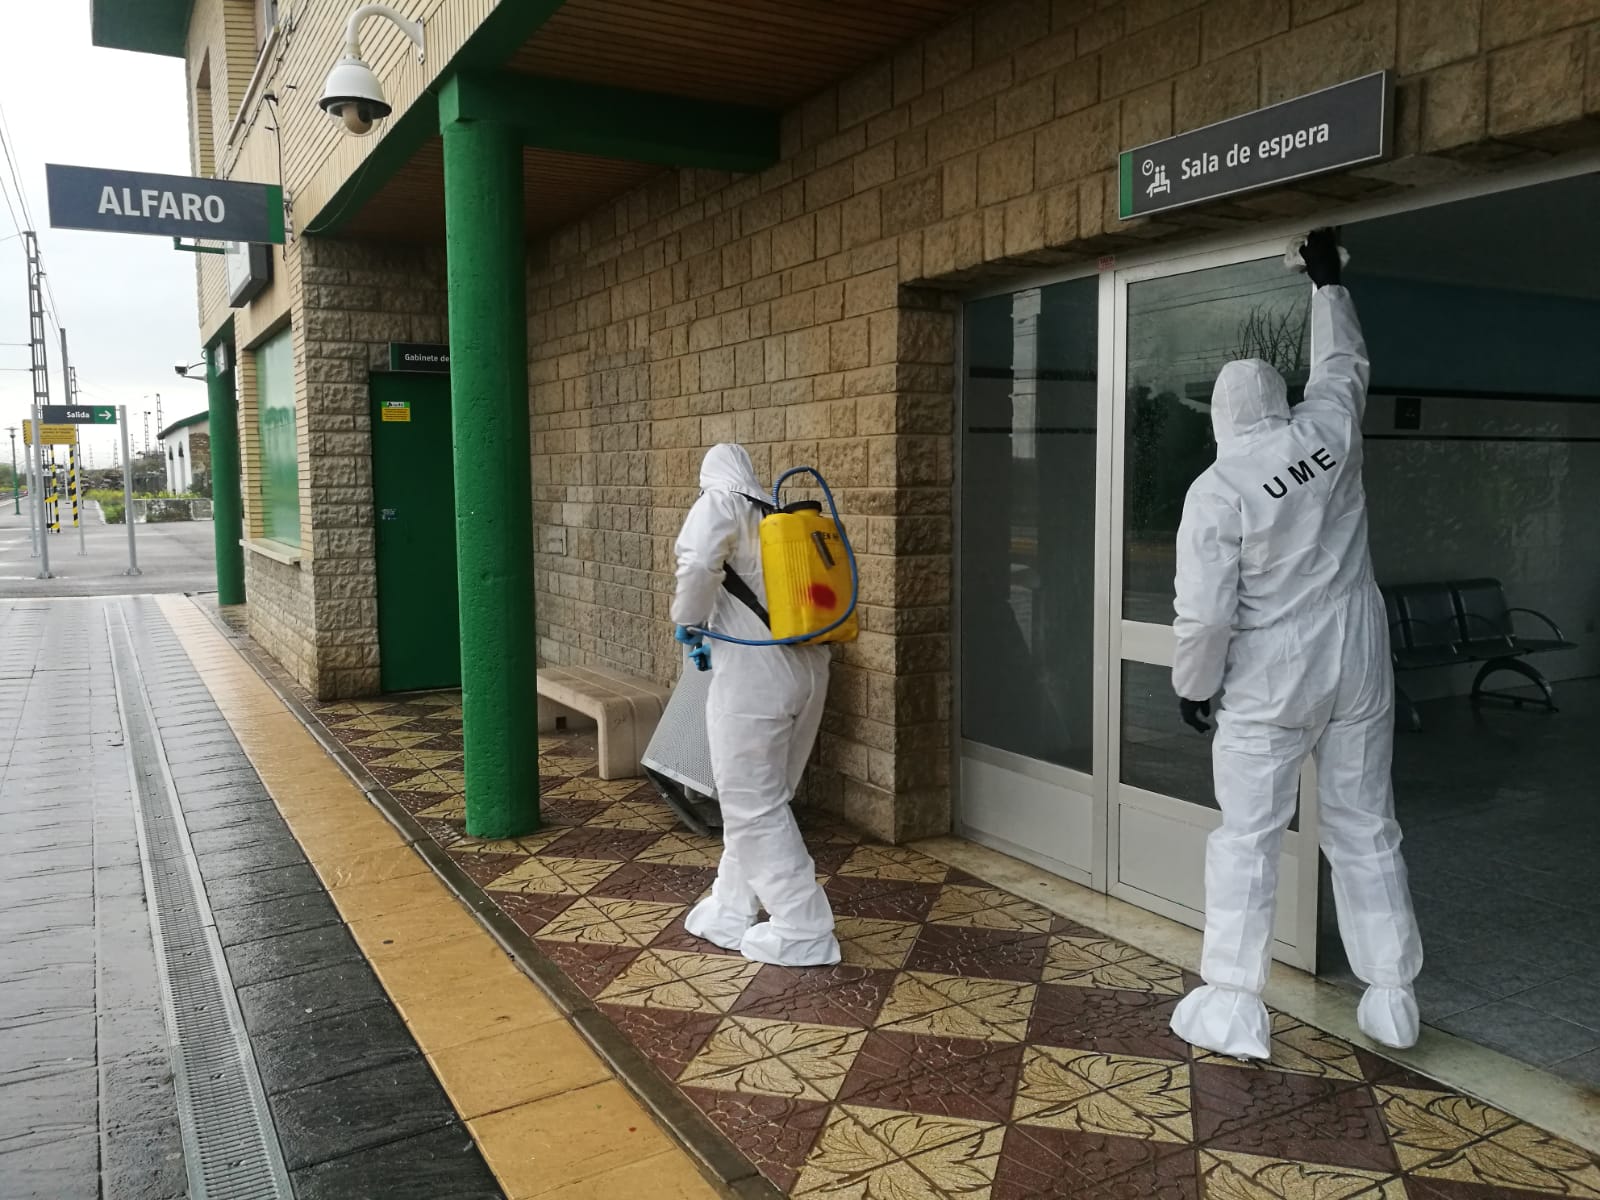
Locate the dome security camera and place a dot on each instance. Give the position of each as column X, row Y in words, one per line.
column 352, row 95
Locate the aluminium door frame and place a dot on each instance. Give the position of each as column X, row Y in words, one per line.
column 1149, row 643
column 1111, row 366
column 1093, row 784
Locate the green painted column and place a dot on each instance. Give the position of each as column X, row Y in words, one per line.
column 493, row 476
column 227, row 510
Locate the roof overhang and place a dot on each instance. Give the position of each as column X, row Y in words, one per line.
column 148, row 26
column 192, row 419
column 609, row 93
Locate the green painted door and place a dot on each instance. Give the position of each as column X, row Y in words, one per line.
column 413, row 492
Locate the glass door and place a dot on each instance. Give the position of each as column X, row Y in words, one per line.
column 1031, row 612
column 1176, row 324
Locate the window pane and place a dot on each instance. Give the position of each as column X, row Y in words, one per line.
column 1159, row 752
column 280, row 451
column 1181, row 330
column 1027, row 522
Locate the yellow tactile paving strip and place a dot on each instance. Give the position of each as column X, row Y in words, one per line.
column 546, row 1112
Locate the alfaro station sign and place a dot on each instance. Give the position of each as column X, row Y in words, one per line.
column 1336, row 128
column 216, row 210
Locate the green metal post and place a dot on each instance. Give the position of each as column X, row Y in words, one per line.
column 493, row 478
column 227, row 511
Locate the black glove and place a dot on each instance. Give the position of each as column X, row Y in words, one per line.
column 1192, row 710
column 1321, row 256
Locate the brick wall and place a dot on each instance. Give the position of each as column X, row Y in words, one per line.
column 200, row 452
column 319, row 617
column 357, row 298
column 278, row 603
column 801, row 312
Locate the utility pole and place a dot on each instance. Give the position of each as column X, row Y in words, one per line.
column 16, row 484
column 127, row 490
column 33, row 485
column 160, row 424
column 41, row 386
column 146, row 449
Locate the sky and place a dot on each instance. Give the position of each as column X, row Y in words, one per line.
column 127, row 301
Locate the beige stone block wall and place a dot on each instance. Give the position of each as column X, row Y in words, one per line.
column 319, row 617
column 807, row 311
column 281, row 614
column 356, row 298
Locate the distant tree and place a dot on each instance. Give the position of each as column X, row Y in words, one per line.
column 1275, row 335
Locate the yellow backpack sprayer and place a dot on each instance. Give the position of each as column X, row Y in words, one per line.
column 809, row 569
column 812, row 583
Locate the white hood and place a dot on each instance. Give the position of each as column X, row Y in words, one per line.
column 1249, row 399
column 727, row 468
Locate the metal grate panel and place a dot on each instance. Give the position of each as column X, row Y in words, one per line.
column 679, row 749
column 229, row 1143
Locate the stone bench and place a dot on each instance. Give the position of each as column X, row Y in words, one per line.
column 624, row 709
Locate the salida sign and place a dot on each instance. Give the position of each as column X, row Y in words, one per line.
column 1341, row 126
column 218, row 210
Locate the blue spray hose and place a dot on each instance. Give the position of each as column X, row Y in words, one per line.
column 855, row 575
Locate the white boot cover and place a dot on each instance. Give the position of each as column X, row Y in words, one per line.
column 1225, row 1020
column 764, row 944
column 1389, row 1015
column 717, row 925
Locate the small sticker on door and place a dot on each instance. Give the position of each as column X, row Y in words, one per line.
column 397, row 410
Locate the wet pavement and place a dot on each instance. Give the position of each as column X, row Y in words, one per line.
column 174, row 556
column 88, row 1103
column 85, row 1082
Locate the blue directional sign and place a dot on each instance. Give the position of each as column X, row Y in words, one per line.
column 216, row 210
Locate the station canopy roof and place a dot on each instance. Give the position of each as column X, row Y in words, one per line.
column 671, row 67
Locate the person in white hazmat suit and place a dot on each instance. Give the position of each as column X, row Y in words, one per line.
column 1277, row 607
column 762, row 714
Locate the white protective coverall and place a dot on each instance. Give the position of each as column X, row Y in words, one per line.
column 762, row 714
column 1277, row 606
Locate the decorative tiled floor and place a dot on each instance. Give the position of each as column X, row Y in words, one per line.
column 971, row 1044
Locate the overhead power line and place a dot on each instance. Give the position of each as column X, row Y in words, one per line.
column 6, row 141
column 12, row 182
column 5, row 191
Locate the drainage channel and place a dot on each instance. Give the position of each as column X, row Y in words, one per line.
column 229, row 1143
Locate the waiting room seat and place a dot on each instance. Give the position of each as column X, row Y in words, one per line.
column 1418, row 641
column 1448, row 624
column 1489, row 632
